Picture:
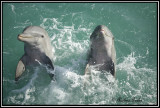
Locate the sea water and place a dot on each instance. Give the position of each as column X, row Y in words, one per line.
column 69, row 25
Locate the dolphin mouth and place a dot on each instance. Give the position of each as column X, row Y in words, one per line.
column 20, row 37
column 104, row 33
column 102, row 30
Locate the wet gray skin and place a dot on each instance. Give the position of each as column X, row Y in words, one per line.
column 37, row 48
column 102, row 53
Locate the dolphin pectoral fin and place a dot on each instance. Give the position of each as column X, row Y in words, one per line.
column 87, row 76
column 20, row 69
column 52, row 76
column 87, row 69
column 49, row 64
column 113, row 72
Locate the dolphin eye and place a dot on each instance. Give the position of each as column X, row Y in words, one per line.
column 42, row 36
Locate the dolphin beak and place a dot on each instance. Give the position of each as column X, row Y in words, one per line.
column 102, row 31
column 20, row 37
column 23, row 36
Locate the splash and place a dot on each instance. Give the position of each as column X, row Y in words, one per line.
column 134, row 85
column 13, row 8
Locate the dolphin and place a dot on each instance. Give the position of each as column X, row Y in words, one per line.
column 102, row 54
column 37, row 49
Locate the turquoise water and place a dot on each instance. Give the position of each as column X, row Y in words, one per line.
column 69, row 25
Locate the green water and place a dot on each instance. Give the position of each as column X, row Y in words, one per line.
column 69, row 25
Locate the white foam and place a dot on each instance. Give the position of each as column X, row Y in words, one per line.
column 23, row 25
column 147, row 52
column 63, row 38
column 71, row 43
column 6, row 53
column 67, row 79
column 13, row 8
column 29, row 84
column 128, row 62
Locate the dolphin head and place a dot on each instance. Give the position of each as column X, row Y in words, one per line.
column 36, row 38
column 33, row 35
column 101, row 31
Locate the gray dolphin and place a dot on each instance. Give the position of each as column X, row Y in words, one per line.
column 37, row 48
column 102, row 52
